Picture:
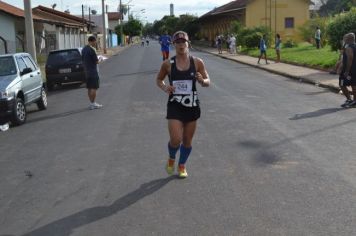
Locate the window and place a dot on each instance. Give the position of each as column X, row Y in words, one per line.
column 29, row 63
column 7, row 66
column 289, row 22
column 21, row 64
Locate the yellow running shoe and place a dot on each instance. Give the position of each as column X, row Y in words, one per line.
column 182, row 172
column 170, row 166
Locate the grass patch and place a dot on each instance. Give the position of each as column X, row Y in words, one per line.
column 304, row 54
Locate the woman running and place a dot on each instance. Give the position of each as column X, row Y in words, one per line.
column 183, row 109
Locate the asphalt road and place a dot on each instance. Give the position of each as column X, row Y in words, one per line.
column 270, row 157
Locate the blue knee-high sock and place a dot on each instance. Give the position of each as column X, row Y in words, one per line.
column 184, row 154
column 172, row 151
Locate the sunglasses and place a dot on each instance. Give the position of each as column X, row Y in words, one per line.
column 180, row 41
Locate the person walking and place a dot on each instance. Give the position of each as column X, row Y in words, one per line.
column 263, row 49
column 165, row 41
column 278, row 48
column 348, row 72
column 317, row 37
column 183, row 110
column 90, row 64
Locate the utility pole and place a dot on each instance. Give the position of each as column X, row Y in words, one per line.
column 104, row 25
column 30, row 36
column 121, row 25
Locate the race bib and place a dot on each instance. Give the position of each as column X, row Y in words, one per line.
column 183, row 86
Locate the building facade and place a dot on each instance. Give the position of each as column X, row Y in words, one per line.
column 52, row 29
column 280, row 16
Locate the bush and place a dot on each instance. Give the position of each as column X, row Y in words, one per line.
column 307, row 31
column 290, row 44
column 250, row 37
column 339, row 26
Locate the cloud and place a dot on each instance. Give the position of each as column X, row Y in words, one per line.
column 154, row 9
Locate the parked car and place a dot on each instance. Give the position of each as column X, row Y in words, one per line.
column 64, row 66
column 21, row 84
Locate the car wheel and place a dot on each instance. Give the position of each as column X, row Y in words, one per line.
column 42, row 103
column 19, row 113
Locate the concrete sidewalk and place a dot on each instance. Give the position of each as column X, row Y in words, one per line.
column 113, row 51
column 300, row 73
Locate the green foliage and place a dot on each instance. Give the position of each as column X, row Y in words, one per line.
column 332, row 7
column 133, row 27
column 250, row 37
column 236, row 27
column 148, row 29
column 304, row 54
column 290, row 44
column 339, row 26
column 307, row 31
column 171, row 24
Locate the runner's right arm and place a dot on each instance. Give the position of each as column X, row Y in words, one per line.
column 164, row 71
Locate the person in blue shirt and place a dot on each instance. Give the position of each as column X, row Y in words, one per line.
column 263, row 48
column 165, row 41
column 278, row 48
column 90, row 63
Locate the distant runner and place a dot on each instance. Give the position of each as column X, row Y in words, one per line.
column 165, row 41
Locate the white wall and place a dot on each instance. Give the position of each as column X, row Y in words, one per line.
column 7, row 26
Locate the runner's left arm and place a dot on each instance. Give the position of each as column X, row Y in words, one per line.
column 202, row 75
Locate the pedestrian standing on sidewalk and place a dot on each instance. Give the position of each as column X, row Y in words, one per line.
column 232, row 44
column 348, row 72
column 219, row 44
column 317, row 37
column 278, row 48
column 90, row 63
column 165, row 41
column 183, row 110
column 263, row 49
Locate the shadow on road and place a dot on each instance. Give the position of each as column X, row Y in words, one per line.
column 317, row 113
column 317, row 93
column 65, row 88
column 136, row 73
column 265, row 153
column 65, row 226
column 56, row 116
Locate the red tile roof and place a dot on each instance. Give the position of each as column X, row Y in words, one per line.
column 58, row 13
column 14, row 11
column 231, row 6
column 114, row 15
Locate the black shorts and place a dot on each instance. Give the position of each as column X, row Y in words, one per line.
column 176, row 111
column 346, row 82
column 92, row 81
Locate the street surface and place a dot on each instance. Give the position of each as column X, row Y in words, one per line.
column 271, row 156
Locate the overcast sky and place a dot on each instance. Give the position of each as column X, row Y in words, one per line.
column 154, row 9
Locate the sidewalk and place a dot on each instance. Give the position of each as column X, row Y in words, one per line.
column 300, row 73
column 113, row 51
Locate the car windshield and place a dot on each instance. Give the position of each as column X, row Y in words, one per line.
column 7, row 66
column 64, row 57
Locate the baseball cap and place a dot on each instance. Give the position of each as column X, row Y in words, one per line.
column 180, row 35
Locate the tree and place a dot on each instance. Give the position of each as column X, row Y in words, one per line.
column 332, row 7
column 171, row 24
column 339, row 26
column 148, row 29
column 133, row 27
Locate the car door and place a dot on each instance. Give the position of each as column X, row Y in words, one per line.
column 35, row 78
column 25, row 78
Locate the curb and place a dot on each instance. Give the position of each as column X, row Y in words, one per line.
column 299, row 78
